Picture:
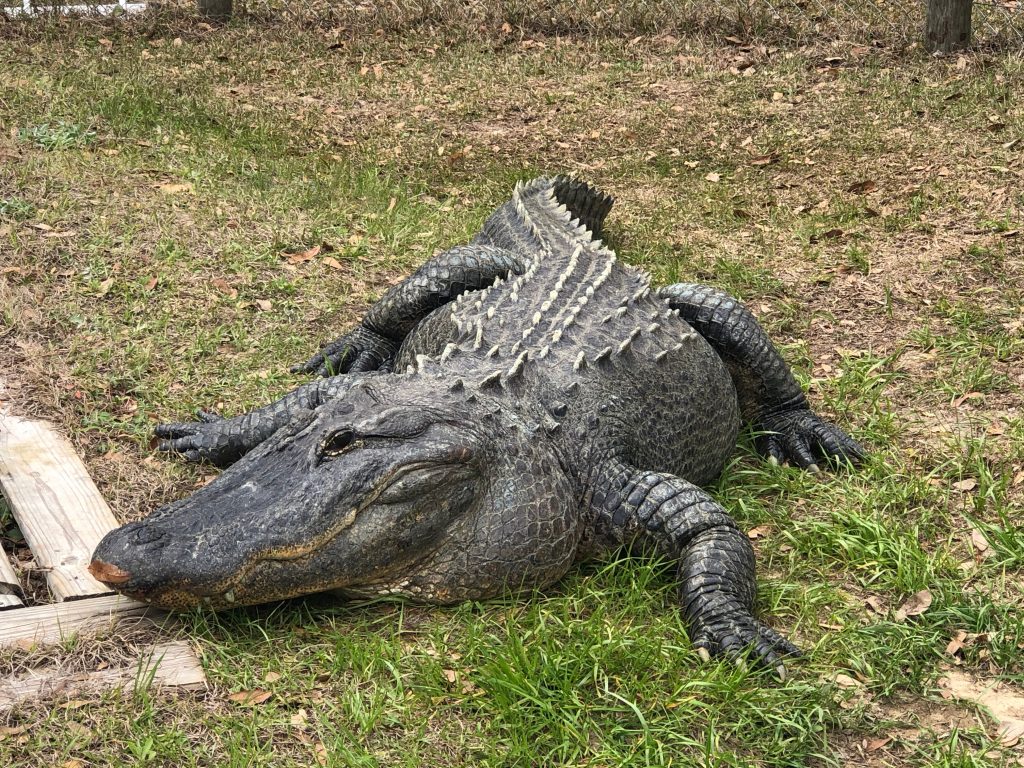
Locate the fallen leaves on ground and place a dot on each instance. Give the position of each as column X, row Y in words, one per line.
column 250, row 698
column 224, row 287
column 916, row 604
column 176, row 189
column 1002, row 702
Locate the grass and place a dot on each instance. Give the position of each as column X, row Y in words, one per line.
column 151, row 184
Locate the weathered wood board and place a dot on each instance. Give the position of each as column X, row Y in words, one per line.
column 10, row 586
column 63, row 517
column 54, row 623
column 167, row 664
column 58, row 508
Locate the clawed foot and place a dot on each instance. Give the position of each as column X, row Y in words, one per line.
column 744, row 638
column 211, row 439
column 358, row 351
column 802, row 437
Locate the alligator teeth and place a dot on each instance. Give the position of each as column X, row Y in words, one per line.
column 544, row 351
column 556, row 336
column 661, row 356
column 621, row 311
column 603, row 355
column 493, row 351
column 654, row 327
column 490, row 313
column 581, row 362
column 449, row 349
column 229, row 596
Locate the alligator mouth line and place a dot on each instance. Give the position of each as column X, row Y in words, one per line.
column 114, row 576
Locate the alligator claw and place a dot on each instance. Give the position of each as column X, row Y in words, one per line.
column 745, row 640
column 208, row 440
column 358, row 351
column 802, row 438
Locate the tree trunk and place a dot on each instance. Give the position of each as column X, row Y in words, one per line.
column 949, row 25
column 215, row 9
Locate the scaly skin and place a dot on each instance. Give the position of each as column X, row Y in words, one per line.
column 519, row 403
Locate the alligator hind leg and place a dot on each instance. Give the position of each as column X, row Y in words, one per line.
column 770, row 396
column 222, row 442
column 716, row 561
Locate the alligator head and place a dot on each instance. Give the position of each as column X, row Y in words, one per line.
column 358, row 495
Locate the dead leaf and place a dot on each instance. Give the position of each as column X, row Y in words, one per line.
column 957, row 402
column 250, row 698
column 75, row 704
column 303, row 256
column 299, row 718
column 968, row 484
column 105, row 287
column 765, row 159
column 915, row 605
column 176, row 189
column 759, row 532
column 105, row 43
column 271, row 677
column 1002, row 703
column 954, row 645
column 42, row 227
column 982, row 549
column 778, row 96
column 150, row 284
column 831, row 234
column 332, row 262
column 72, row 763
column 320, row 753
column 845, row 681
column 875, row 603
column 263, row 305
column 224, row 287
column 862, row 187
column 714, row 178
column 450, row 675
column 876, row 744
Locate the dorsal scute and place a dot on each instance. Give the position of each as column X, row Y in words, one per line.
column 571, row 277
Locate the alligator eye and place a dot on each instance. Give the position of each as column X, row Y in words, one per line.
column 337, row 443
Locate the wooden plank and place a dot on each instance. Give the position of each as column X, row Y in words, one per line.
column 46, row 624
column 58, row 508
column 169, row 664
column 10, row 585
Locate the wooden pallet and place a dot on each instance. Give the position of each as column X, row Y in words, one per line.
column 63, row 517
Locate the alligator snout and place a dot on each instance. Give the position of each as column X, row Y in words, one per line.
column 109, row 574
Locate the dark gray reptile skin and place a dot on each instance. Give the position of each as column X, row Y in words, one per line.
column 519, row 403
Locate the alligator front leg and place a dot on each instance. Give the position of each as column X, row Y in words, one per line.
column 716, row 561
column 222, row 442
column 770, row 396
column 373, row 344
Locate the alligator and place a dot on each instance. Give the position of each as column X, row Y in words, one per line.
column 519, row 403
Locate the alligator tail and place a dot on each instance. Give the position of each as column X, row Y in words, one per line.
column 588, row 204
